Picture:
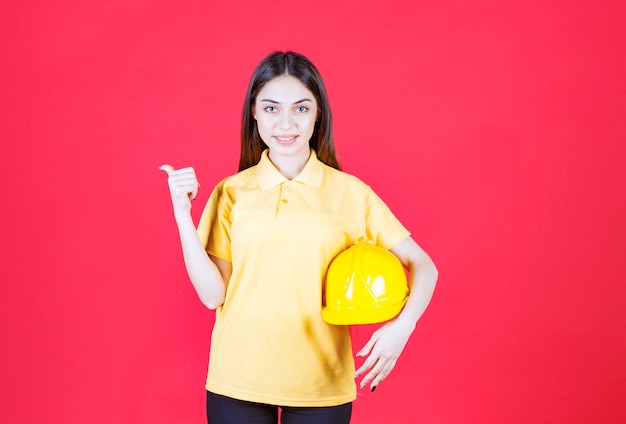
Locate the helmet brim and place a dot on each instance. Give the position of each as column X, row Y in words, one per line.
column 358, row 316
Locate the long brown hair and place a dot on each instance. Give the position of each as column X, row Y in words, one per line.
column 296, row 65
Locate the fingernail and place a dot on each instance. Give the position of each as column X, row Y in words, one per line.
column 373, row 388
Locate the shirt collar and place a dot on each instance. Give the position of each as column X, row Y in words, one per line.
column 268, row 176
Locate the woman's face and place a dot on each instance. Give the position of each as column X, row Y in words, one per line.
column 285, row 112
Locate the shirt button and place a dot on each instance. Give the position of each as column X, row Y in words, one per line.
column 285, row 201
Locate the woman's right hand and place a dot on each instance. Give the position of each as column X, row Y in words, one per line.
column 183, row 187
column 206, row 274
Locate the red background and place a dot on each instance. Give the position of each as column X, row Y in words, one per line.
column 494, row 130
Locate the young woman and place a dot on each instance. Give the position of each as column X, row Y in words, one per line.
column 261, row 250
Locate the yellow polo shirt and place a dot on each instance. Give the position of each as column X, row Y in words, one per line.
column 270, row 343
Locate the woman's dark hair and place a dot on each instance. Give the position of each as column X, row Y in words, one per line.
column 296, row 65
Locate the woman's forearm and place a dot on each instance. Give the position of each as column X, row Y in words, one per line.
column 423, row 276
column 422, row 279
column 203, row 273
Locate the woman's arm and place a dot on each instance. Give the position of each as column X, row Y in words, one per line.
column 387, row 343
column 208, row 275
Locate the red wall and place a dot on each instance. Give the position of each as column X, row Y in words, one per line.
column 494, row 130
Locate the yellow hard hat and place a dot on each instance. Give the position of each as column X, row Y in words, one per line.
column 365, row 284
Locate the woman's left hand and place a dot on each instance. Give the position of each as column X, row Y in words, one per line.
column 383, row 348
column 388, row 342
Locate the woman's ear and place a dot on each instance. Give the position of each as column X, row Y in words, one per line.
column 253, row 111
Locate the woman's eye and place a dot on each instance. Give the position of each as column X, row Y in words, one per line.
column 270, row 109
column 302, row 109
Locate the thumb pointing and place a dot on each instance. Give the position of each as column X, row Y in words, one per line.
column 167, row 168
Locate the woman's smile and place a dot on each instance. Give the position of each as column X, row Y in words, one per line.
column 286, row 139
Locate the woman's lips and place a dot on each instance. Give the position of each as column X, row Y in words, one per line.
column 285, row 139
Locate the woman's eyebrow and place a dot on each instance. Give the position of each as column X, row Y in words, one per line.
column 306, row 99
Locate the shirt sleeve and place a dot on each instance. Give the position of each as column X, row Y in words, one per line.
column 214, row 225
column 381, row 226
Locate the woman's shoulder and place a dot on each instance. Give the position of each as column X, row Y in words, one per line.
column 230, row 184
column 241, row 177
column 337, row 176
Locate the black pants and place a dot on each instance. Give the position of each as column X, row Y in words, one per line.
column 225, row 410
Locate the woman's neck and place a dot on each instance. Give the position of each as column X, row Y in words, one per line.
column 290, row 166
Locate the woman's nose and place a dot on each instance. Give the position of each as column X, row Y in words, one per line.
column 286, row 120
